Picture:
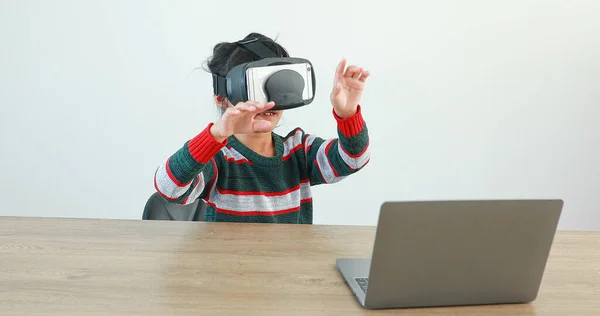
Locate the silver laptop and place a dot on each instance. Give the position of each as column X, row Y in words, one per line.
column 451, row 253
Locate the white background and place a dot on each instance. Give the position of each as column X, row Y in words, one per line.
column 468, row 99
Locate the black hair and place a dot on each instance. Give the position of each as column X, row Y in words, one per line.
column 227, row 55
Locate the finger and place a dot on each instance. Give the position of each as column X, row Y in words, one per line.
column 233, row 109
column 268, row 105
column 257, row 106
column 261, row 126
column 243, row 106
column 231, row 113
column 364, row 76
column 261, row 107
column 350, row 71
column 253, row 103
column 249, row 106
column 339, row 71
column 264, row 106
column 357, row 73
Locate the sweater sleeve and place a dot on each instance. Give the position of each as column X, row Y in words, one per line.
column 188, row 174
column 331, row 160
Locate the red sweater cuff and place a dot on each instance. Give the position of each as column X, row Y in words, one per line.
column 204, row 146
column 352, row 125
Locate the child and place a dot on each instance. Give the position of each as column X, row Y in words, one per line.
column 247, row 173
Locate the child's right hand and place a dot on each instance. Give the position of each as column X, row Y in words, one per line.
column 239, row 119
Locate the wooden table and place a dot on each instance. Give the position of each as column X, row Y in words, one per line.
column 125, row 267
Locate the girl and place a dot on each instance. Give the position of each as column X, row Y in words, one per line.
column 247, row 173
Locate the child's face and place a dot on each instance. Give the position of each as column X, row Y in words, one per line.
column 272, row 116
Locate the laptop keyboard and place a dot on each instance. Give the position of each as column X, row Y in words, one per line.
column 363, row 283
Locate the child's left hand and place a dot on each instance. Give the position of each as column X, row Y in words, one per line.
column 348, row 86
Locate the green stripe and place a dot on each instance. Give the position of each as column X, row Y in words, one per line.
column 183, row 166
column 245, row 177
column 357, row 143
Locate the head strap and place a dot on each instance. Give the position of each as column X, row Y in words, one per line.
column 257, row 47
column 253, row 45
column 219, row 85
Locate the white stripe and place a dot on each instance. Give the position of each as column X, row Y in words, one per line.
column 232, row 153
column 166, row 186
column 197, row 190
column 355, row 163
column 309, row 140
column 261, row 203
column 324, row 166
column 292, row 142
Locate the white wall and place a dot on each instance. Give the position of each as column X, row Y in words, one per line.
column 468, row 99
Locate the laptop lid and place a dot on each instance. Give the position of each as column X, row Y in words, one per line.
column 447, row 253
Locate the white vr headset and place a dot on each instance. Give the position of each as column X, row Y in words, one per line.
column 288, row 81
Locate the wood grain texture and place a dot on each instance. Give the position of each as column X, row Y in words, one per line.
column 120, row 267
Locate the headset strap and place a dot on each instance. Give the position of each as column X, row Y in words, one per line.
column 257, row 47
column 253, row 45
column 219, row 85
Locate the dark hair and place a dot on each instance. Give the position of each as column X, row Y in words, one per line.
column 227, row 55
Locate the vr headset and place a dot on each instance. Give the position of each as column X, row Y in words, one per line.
column 288, row 81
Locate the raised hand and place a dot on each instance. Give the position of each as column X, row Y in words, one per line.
column 240, row 119
column 348, row 86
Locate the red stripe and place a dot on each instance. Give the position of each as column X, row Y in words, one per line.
column 309, row 200
column 233, row 159
column 262, row 193
column 367, row 162
column 292, row 151
column 293, row 134
column 296, row 188
column 204, row 146
column 239, row 162
column 335, row 173
column 306, row 136
column 357, row 155
column 351, row 126
column 253, row 213
column 159, row 192
column 297, row 147
column 172, row 177
column 306, row 140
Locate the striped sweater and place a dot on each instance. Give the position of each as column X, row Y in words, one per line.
column 239, row 185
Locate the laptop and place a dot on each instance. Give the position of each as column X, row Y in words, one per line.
column 453, row 253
